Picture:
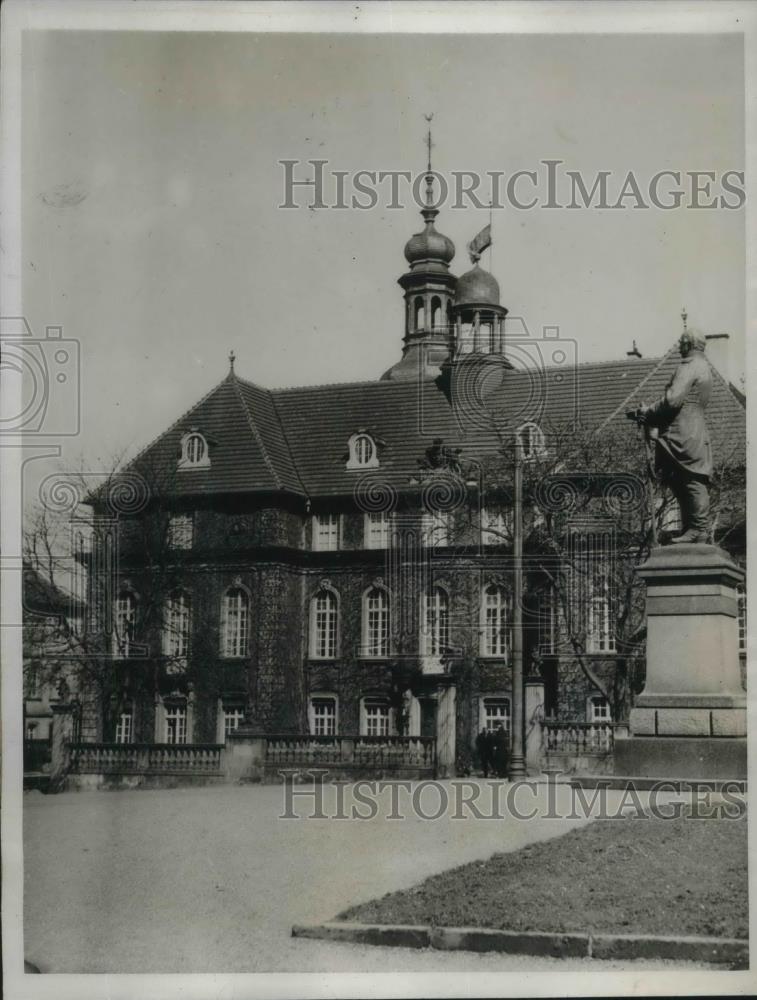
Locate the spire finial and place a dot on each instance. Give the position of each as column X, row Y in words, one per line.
column 232, row 359
column 429, row 173
column 684, row 317
column 429, row 141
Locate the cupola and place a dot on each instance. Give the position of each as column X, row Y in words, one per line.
column 429, row 292
column 479, row 319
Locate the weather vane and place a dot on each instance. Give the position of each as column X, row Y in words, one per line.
column 232, row 359
column 684, row 317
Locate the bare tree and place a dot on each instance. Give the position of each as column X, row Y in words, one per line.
column 588, row 505
column 108, row 540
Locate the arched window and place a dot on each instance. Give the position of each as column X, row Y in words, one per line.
column 176, row 625
column 486, row 337
column 420, row 314
column 435, row 617
column 436, row 313
column 531, row 439
column 496, row 625
column 363, row 453
column 324, row 617
column 235, row 622
column 194, row 451
column 376, row 622
column 126, row 616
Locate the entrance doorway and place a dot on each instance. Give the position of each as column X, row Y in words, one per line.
column 428, row 717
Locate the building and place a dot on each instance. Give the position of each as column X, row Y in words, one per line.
column 49, row 617
column 333, row 559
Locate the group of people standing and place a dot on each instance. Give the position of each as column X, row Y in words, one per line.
column 493, row 751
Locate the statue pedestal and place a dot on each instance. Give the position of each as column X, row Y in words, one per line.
column 690, row 719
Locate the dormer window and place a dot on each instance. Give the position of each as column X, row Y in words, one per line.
column 531, row 438
column 363, row 452
column 194, row 451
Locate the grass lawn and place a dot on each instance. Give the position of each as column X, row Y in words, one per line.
column 628, row 876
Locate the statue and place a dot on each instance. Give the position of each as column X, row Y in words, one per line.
column 676, row 424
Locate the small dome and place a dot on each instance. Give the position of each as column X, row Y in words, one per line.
column 429, row 245
column 477, row 287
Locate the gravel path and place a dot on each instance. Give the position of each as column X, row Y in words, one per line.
column 211, row 880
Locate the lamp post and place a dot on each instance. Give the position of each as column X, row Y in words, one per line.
column 517, row 769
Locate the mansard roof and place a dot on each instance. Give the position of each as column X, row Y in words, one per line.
column 294, row 440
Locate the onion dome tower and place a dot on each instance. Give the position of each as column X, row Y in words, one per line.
column 429, row 294
column 479, row 319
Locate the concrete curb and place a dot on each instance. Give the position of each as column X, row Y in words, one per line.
column 395, row 935
column 730, row 951
column 510, row 942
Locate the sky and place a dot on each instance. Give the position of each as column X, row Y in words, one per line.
column 151, row 230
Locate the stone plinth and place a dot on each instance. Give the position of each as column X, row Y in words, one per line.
column 245, row 755
column 534, row 721
column 446, row 727
column 690, row 719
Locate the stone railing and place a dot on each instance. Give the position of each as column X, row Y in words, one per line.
column 244, row 757
column 365, row 752
column 146, row 758
column 579, row 737
column 400, row 751
column 286, row 750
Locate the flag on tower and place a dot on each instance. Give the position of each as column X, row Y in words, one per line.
column 480, row 242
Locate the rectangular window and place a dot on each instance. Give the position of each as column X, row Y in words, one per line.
column 599, row 709
column 326, row 532
column 377, row 530
column 548, row 622
column 125, row 623
column 232, row 719
column 601, row 638
column 176, row 724
column 496, row 714
column 180, row 531
column 124, row 728
column 376, row 623
column 236, row 615
column 32, row 685
column 377, row 718
column 496, row 527
column 176, row 626
column 436, row 528
column 496, row 630
column 323, row 716
column 435, row 637
column 591, row 595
